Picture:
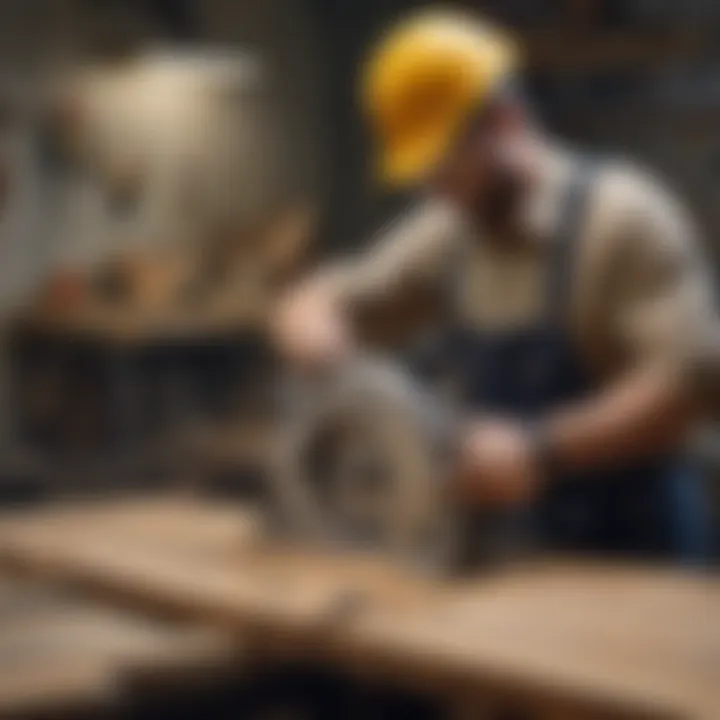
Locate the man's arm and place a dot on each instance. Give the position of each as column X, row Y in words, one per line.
column 659, row 312
column 649, row 411
column 312, row 323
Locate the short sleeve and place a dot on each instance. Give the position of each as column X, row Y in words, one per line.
column 659, row 295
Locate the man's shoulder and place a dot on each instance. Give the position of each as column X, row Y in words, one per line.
column 628, row 188
column 623, row 191
column 638, row 212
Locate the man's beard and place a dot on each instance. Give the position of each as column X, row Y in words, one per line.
column 499, row 206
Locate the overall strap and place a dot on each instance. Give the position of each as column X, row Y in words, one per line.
column 437, row 353
column 572, row 221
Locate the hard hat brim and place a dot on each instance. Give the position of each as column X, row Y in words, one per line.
column 412, row 161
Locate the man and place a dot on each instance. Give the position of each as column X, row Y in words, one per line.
column 575, row 284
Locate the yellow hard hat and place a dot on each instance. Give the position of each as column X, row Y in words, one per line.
column 423, row 80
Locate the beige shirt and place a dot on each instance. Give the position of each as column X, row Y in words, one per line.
column 640, row 290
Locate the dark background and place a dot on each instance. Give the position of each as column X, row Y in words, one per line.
column 635, row 76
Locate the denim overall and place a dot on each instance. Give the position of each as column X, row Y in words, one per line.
column 653, row 508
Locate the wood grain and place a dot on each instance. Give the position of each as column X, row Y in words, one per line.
column 60, row 655
column 620, row 641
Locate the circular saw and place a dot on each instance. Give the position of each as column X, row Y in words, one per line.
column 366, row 461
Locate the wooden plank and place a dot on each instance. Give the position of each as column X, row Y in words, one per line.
column 175, row 522
column 637, row 642
column 60, row 655
column 55, row 689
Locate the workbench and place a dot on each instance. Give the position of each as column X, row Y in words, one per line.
column 126, row 384
column 548, row 639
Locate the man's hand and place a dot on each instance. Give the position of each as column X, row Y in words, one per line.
column 309, row 328
column 498, row 464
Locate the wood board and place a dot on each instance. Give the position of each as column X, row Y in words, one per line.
column 597, row 639
column 61, row 656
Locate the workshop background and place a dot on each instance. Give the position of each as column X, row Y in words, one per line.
column 166, row 167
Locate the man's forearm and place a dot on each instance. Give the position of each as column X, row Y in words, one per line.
column 647, row 412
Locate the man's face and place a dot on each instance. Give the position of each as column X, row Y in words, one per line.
column 485, row 171
column 466, row 171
